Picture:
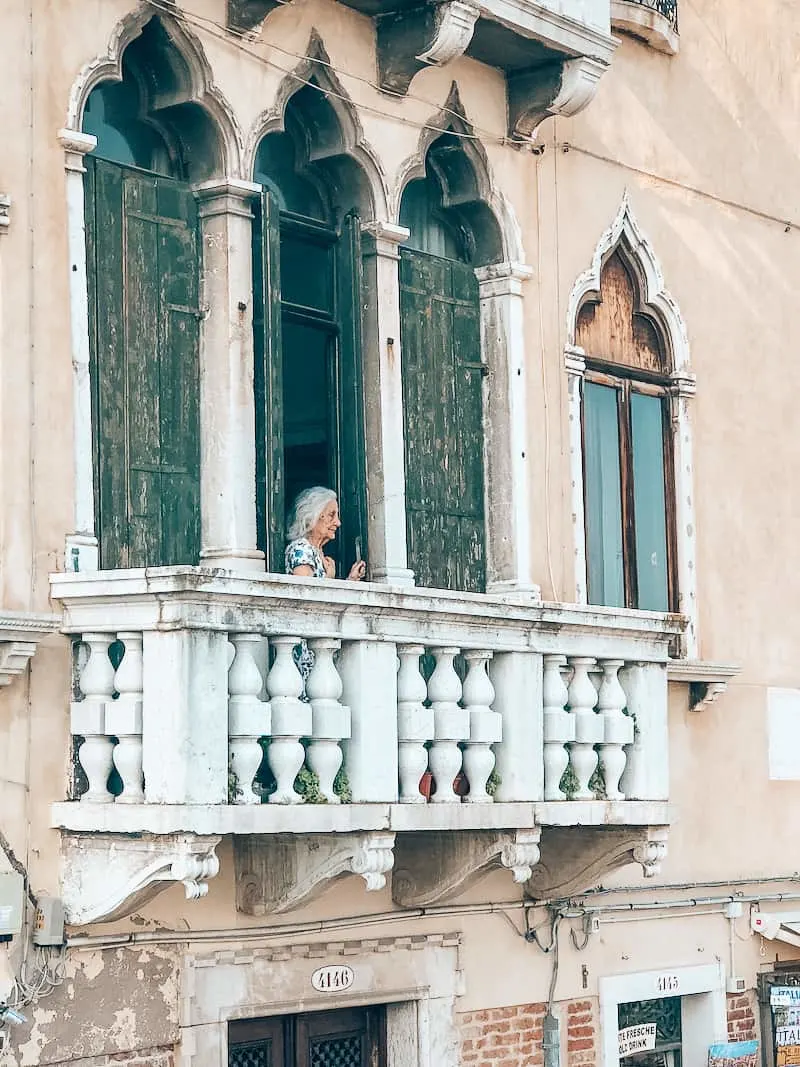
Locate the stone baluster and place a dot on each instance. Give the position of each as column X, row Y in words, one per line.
column 330, row 719
column 291, row 720
column 88, row 718
column 249, row 718
column 559, row 726
column 582, row 697
column 415, row 724
column 124, row 719
column 451, row 725
column 647, row 765
column 485, row 726
column 617, row 727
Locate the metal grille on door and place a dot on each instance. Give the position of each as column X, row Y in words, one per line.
column 259, row 1055
column 337, row 1052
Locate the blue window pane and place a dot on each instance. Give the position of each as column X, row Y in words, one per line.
column 603, row 499
column 649, row 504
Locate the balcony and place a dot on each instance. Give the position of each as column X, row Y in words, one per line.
column 439, row 734
column 653, row 21
column 553, row 52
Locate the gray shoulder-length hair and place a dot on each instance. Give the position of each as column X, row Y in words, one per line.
column 308, row 507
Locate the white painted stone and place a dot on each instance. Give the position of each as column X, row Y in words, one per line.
column 485, row 726
column 559, row 726
column 517, row 680
column 291, row 720
column 368, row 670
column 124, row 718
column 588, row 724
column 617, row 727
column 646, row 774
column 415, row 723
column 451, row 725
column 249, row 718
column 330, row 718
column 88, row 718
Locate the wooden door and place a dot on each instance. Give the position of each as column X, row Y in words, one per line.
column 443, row 418
column 143, row 270
column 352, row 1037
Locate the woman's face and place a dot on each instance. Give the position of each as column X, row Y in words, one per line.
column 324, row 529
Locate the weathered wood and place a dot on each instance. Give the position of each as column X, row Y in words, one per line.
column 443, row 409
column 143, row 294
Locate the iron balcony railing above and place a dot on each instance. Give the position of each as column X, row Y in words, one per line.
column 667, row 8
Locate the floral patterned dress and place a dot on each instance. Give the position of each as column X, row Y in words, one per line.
column 301, row 553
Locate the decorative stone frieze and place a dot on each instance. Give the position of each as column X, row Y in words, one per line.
column 105, row 878
column 276, row 874
column 436, row 866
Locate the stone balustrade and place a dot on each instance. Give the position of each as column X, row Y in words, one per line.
column 196, row 688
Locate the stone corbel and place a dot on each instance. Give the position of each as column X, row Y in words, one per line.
column 20, row 634
column 435, row 866
column 561, row 88
column 707, row 681
column 106, row 876
column 277, row 874
column 5, row 212
column 247, row 16
column 578, row 857
column 429, row 35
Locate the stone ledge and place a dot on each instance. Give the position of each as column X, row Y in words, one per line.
column 20, row 634
column 349, row 818
column 645, row 23
column 707, row 681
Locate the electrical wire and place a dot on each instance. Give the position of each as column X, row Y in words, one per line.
column 234, row 39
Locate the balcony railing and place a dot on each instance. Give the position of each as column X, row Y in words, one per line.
column 667, row 8
column 654, row 21
column 188, row 700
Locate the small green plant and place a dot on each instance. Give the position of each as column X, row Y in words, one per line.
column 307, row 785
column 597, row 783
column 341, row 786
column 493, row 782
column 569, row 783
column 234, row 789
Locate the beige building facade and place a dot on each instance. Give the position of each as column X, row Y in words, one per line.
column 517, row 281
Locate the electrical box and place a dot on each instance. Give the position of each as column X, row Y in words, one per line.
column 12, row 900
column 48, row 926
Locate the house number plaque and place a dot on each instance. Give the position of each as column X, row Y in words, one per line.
column 667, row 983
column 332, row 979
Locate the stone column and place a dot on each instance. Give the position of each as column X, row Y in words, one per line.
column 228, row 437
column 81, row 552
column 517, row 681
column 508, row 468
column 682, row 391
column 575, row 364
column 383, row 393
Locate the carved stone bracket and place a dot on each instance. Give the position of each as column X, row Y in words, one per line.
column 561, row 88
column 108, row 876
column 247, row 16
column 20, row 634
column 437, row 865
column 576, row 858
column 276, row 874
column 5, row 209
column 429, row 35
column 707, row 681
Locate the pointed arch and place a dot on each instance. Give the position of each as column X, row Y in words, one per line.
column 626, row 235
column 335, row 142
column 189, row 101
column 462, row 169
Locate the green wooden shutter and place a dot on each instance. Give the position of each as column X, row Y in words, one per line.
column 268, row 383
column 352, row 465
column 443, row 414
column 143, row 294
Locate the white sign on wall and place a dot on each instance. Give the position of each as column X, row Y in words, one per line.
column 332, row 979
column 783, row 727
column 640, row 1038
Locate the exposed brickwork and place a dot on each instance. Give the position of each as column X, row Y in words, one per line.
column 742, row 1016
column 512, row 1037
column 581, row 1024
column 503, row 1037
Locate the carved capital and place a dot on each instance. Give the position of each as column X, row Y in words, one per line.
column 276, row 874
column 108, row 876
column 429, row 35
column 21, row 632
column 437, row 865
column 246, row 17
column 76, row 145
column 561, row 88
column 5, row 212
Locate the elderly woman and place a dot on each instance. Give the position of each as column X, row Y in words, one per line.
column 314, row 524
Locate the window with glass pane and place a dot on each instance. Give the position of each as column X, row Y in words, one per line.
column 627, row 448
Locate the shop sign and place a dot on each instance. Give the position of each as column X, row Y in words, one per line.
column 788, row 1056
column 787, row 1035
column 332, row 979
column 641, row 1038
column 784, row 996
column 787, row 1016
column 734, row 1054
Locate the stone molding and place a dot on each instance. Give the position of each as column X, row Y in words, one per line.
column 279, row 873
column 105, row 878
column 707, row 681
column 644, row 22
column 430, row 35
column 435, row 867
column 21, row 632
column 561, row 88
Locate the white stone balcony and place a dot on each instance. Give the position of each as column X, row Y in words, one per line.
column 193, row 722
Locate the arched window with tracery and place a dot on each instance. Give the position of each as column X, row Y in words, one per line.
column 628, row 465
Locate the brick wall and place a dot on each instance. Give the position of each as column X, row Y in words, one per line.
column 742, row 1016
column 512, row 1037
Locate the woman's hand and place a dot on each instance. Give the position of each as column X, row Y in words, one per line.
column 357, row 571
column 330, row 567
